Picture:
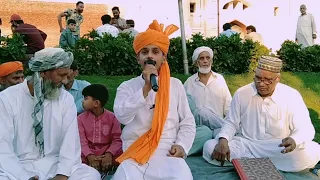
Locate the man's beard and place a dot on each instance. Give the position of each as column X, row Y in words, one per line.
column 204, row 70
column 117, row 17
column 50, row 90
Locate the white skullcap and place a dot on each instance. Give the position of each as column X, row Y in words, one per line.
column 199, row 50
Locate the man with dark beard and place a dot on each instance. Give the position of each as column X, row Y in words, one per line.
column 119, row 22
column 75, row 14
column 39, row 135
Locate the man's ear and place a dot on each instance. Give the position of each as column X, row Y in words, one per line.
column 42, row 74
column 76, row 73
column 2, row 80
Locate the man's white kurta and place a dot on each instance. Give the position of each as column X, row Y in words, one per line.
column 136, row 113
column 261, row 125
column 19, row 156
column 306, row 27
column 214, row 97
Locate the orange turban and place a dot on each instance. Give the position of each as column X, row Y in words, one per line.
column 155, row 36
column 10, row 67
column 143, row 148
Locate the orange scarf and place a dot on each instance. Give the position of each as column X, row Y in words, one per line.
column 143, row 148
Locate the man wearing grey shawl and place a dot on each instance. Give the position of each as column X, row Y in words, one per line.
column 39, row 136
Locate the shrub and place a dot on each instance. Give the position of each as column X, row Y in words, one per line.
column 298, row 59
column 106, row 56
column 12, row 48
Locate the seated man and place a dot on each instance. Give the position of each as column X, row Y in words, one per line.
column 211, row 96
column 159, row 127
column 11, row 73
column 130, row 30
column 75, row 87
column 39, row 134
column 271, row 120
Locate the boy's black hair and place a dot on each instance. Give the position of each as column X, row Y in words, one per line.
column 79, row 2
column 71, row 21
column 97, row 92
column 74, row 66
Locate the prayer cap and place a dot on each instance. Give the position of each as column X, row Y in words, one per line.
column 98, row 92
column 269, row 63
column 154, row 35
column 199, row 50
column 50, row 58
column 10, row 67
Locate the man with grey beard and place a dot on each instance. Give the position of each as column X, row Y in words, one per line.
column 210, row 95
column 39, row 135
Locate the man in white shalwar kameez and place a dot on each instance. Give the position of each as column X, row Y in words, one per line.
column 306, row 28
column 211, row 95
column 159, row 126
column 39, row 135
column 271, row 120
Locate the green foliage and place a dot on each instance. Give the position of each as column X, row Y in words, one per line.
column 258, row 51
column 12, row 48
column 298, row 59
column 231, row 55
column 115, row 56
column 106, row 56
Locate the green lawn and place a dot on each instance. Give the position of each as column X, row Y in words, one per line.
column 308, row 84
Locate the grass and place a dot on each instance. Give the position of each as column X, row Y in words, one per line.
column 308, row 84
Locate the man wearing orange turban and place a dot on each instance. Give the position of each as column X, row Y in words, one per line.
column 159, row 126
column 11, row 73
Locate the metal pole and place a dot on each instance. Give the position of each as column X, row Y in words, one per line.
column 183, row 38
column 218, row 5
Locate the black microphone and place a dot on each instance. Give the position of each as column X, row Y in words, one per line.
column 153, row 79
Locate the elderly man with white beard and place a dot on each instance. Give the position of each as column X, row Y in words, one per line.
column 211, row 96
column 39, row 135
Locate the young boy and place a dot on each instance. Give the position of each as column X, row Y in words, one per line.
column 68, row 37
column 99, row 130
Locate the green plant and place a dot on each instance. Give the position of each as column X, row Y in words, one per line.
column 106, row 55
column 12, row 48
column 298, row 59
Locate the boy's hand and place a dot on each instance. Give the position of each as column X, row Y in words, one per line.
column 93, row 162
column 106, row 162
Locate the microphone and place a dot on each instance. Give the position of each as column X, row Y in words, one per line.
column 153, row 79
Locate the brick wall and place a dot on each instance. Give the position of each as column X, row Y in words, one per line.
column 44, row 16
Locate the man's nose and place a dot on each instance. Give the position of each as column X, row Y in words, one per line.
column 21, row 80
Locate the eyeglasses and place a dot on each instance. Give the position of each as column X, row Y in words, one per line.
column 265, row 81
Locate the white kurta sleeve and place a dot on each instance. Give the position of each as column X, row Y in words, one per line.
column 70, row 150
column 313, row 25
column 127, row 103
column 301, row 126
column 9, row 162
column 187, row 126
column 227, row 98
column 232, row 121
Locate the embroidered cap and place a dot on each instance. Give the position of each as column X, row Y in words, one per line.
column 269, row 63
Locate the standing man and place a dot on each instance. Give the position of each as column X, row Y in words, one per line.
column 306, row 28
column 75, row 14
column 11, row 73
column 270, row 120
column 39, row 134
column 159, row 126
column 211, row 95
column 119, row 22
